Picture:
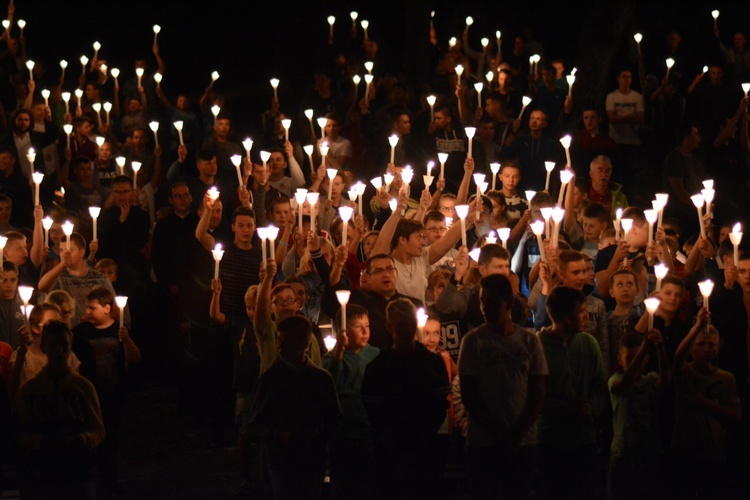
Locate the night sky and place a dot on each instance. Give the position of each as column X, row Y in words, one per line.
column 249, row 42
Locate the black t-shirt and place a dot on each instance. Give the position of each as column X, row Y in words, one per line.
column 109, row 356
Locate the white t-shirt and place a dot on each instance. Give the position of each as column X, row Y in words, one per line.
column 624, row 105
column 412, row 278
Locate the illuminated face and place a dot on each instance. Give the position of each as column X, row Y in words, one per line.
column 574, row 274
column 207, row 168
column 122, row 192
column 39, row 112
column 97, row 312
column 382, row 277
column 338, row 186
column 368, row 244
column 559, row 69
column 437, row 290
column 591, row 120
column 447, row 207
column 579, row 196
column 434, row 230
column 84, row 172
column 243, row 228
column 8, row 284
column 442, row 120
column 23, row 122
column 6, row 208
column 495, row 266
column 84, row 129
column 624, row 288
column 670, row 297
column 414, row 244
column 431, row 335
column 110, row 272
column 332, row 129
column 260, row 174
column 358, row 332
column 181, row 199
column 105, row 151
column 48, row 316
column 221, row 127
column 284, row 304
column 300, row 291
column 537, row 121
column 592, row 228
column 509, row 178
column 582, row 317
column 743, row 269
column 139, row 139
column 16, row 251
column 277, row 164
column 280, row 214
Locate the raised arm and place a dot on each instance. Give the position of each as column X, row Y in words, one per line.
column 298, row 178
column 214, row 309
column 383, row 243
column 201, row 231
column 263, row 303
column 463, row 189
column 37, row 247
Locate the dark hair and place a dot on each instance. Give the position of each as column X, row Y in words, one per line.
column 405, row 228
column 368, row 262
column 596, row 211
column 620, row 272
column 204, row 155
column 37, row 313
column 9, row 267
column 435, row 215
column 401, row 318
column 498, row 287
column 673, row 279
column 635, row 213
column 353, row 311
column 510, row 164
column 122, row 179
column 77, row 239
column 562, row 302
column 565, row 257
column 297, row 330
column 279, row 200
column 102, row 295
column 176, row 185
column 242, row 211
column 630, row 341
column 55, row 328
column 492, row 251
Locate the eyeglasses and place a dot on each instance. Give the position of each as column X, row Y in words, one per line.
column 284, row 302
column 446, row 209
column 380, row 270
column 436, row 229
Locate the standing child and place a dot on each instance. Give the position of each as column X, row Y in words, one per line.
column 595, row 221
column 636, row 449
column 623, row 287
column 707, row 402
column 114, row 352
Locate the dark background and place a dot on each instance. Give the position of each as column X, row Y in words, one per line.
column 249, row 42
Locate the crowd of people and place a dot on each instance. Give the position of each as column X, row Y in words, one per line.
column 386, row 277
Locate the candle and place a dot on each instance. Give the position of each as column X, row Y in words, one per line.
column 45, row 95
column 309, row 114
column 214, row 76
column 263, row 235
column 359, row 188
column 178, row 125
column 139, row 74
column 21, row 24
column 670, row 63
column 459, row 71
column 565, row 177
column 478, row 87
column 698, row 202
column 368, row 81
column 356, row 79
column 470, row 131
column 97, row 106
column 275, row 85
column 264, row 156
column 121, row 301
column 652, row 304
column 331, row 172
column 63, row 65
column 708, row 197
column 377, row 182
column 478, row 180
column 495, row 168
column 120, row 160
column 115, row 73
column 309, row 150
column 626, row 224
column 353, row 14
column 322, row 121
column 618, row 216
column 558, row 214
column 343, row 298
column 237, row 161
column 68, row 128
column 365, row 24
column 218, row 253
column 66, row 99
column 421, row 322
column 651, row 217
column 442, row 158
column 469, row 22
column 248, row 145
column 30, row 66
column 571, row 80
column 215, row 110
column 213, row 193
column 504, row 233
column 393, row 140
column 706, row 287
column 427, row 179
column 272, row 232
column 286, row 123
column 25, row 293
column 660, row 271
column 331, row 20
column 431, row 101
column 746, row 88
column 300, row 196
column 67, row 230
column 526, row 100
column 37, row 177
column 155, row 128
column 47, row 225
column 94, row 212
column 736, row 237
column 490, row 76
column 462, row 211
column 312, row 200
column 546, row 215
column 345, row 212
column 323, row 152
column 107, row 108
column 84, row 61
column 156, row 29
column 538, row 228
column 638, row 37
column 549, row 166
column 158, row 78
column 715, row 15
column 662, row 198
column 565, row 141
column 136, row 166
column 368, row 66
column 3, row 242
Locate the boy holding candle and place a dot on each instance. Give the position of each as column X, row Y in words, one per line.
column 351, row 450
column 114, row 352
column 11, row 317
column 621, row 320
column 635, row 393
column 707, row 404
column 575, row 395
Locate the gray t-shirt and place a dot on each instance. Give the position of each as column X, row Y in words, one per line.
column 501, row 365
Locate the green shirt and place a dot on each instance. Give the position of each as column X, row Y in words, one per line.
column 268, row 351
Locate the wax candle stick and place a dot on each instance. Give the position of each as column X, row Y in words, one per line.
column 94, row 212
column 154, row 126
column 442, row 158
column 652, row 304
column 638, row 37
column 549, row 166
column 237, row 162
column 37, row 177
column 272, row 232
column 698, row 202
column 565, row 141
column 431, row 101
column 470, row 131
column 275, row 85
column 565, row 177
column 156, row 29
column 218, row 253
column 393, row 141
column 67, row 228
column 494, row 168
column 462, row 211
column 660, row 271
column 47, row 225
column 736, row 237
column 345, row 212
column 651, row 217
column 525, row 100
column 504, row 234
column 312, row 200
column 538, row 229
column 178, row 125
column 343, row 298
column 121, row 301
